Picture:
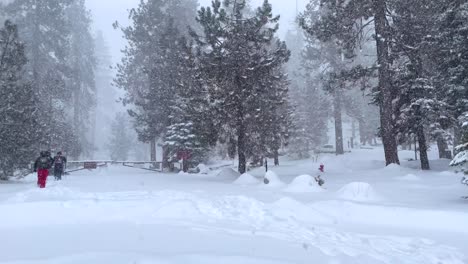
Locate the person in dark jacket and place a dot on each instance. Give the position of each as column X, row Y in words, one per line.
column 59, row 165
column 42, row 166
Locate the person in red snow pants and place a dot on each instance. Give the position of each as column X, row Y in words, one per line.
column 42, row 166
column 42, row 175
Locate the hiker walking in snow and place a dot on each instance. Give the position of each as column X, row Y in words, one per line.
column 59, row 165
column 42, row 166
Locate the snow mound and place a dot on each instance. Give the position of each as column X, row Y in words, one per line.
column 228, row 174
column 246, row 179
column 393, row 168
column 409, row 177
column 203, row 169
column 272, row 179
column 304, row 184
column 358, row 191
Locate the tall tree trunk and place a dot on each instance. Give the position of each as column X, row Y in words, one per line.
column 386, row 107
column 443, row 148
column 165, row 157
column 353, row 136
column 276, row 156
column 457, row 138
column 338, row 123
column 423, row 149
column 362, row 133
column 153, row 150
column 76, row 118
column 232, row 148
column 93, row 132
column 241, row 148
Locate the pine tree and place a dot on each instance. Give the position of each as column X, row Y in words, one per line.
column 44, row 27
column 309, row 105
column 309, row 120
column 269, row 129
column 461, row 159
column 329, row 55
column 18, row 106
column 236, row 50
column 82, row 64
column 120, row 140
column 105, row 93
column 344, row 24
column 451, row 59
column 154, row 71
column 181, row 143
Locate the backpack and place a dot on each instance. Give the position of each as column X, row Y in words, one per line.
column 58, row 160
column 44, row 163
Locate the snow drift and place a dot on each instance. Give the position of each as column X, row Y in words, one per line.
column 228, row 174
column 409, row 177
column 272, row 179
column 303, row 184
column 247, row 179
column 358, row 191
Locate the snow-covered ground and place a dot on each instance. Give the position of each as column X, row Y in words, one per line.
column 366, row 214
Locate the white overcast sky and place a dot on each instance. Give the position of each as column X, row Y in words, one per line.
column 105, row 12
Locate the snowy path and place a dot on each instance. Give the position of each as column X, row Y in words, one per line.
column 120, row 215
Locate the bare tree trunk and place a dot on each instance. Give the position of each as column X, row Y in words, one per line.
column 241, row 149
column 338, row 123
column 362, row 134
column 93, row 131
column 276, row 155
column 165, row 157
column 443, row 148
column 153, row 149
column 386, row 107
column 423, row 149
column 457, row 138
column 232, row 148
column 76, row 119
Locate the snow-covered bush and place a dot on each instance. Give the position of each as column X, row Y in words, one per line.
column 461, row 159
column 465, row 180
column 182, row 137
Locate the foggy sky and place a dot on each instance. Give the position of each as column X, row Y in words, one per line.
column 106, row 12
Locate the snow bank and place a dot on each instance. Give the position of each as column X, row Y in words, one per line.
column 203, row 169
column 409, row 177
column 358, row 191
column 303, row 184
column 228, row 174
column 273, row 180
column 247, row 179
column 393, row 168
